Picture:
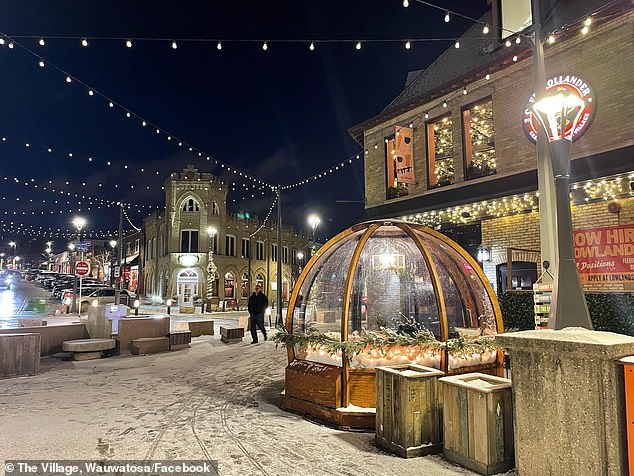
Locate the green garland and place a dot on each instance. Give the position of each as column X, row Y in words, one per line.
column 384, row 340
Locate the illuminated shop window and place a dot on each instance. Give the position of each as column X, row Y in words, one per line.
column 440, row 152
column 394, row 188
column 479, row 140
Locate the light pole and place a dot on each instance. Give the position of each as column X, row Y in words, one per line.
column 558, row 112
column 1, row 260
column 300, row 257
column 211, row 267
column 78, row 223
column 314, row 221
column 13, row 245
column 113, row 245
column 48, row 251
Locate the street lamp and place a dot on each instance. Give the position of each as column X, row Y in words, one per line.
column 1, row 260
column 113, row 245
column 211, row 267
column 300, row 257
column 78, row 223
column 558, row 112
column 314, row 221
column 14, row 245
column 48, row 252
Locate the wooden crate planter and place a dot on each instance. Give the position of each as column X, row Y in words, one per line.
column 180, row 339
column 200, row 328
column 408, row 410
column 231, row 335
column 478, row 422
column 19, row 354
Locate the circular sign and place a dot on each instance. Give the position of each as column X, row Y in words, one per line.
column 571, row 84
column 81, row 268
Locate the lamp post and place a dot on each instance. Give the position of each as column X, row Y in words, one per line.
column 300, row 258
column 113, row 245
column 314, row 221
column 211, row 267
column 558, row 113
column 48, row 252
column 13, row 245
column 78, row 223
column 1, row 260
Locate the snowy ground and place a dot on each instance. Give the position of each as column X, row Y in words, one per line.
column 212, row 401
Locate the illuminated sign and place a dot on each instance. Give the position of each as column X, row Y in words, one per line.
column 605, row 254
column 188, row 260
column 570, row 84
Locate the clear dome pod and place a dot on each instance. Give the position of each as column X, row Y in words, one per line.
column 383, row 293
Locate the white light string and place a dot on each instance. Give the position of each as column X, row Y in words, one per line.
column 268, row 215
column 125, row 214
column 11, row 227
column 43, row 62
column 323, row 173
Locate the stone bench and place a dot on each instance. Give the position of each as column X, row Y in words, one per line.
column 150, row 345
column 231, row 335
column 88, row 349
column 199, row 328
column 19, row 354
column 180, row 339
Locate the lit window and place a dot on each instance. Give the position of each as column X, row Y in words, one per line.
column 440, row 152
column 479, row 140
column 394, row 187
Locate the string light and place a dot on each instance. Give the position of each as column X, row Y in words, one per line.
column 551, row 39
column 42, row 42
column 407, row 45
column 507, row 43
column 265, row 46
column 358, row 45
column 84, row 42
column 174, row 45
column 487, row 76
column 447, row 17
column 405, row 3
column 128, row 43
column 464, row 91
column 587, row 21
column 312, row 46
column 444, row 104
column 41, row 63
column 485, row 29
column 457, row 44
column 585, row 30
column 219, row 46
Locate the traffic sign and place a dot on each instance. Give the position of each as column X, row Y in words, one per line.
column 116, row 272
column 81, row 268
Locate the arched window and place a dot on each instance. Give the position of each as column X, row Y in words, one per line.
column 245, row 285
column 215, row 209
column 259, row 279
column 191, row 205
column 230, row 286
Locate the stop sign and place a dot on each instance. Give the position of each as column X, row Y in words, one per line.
column 81, row 268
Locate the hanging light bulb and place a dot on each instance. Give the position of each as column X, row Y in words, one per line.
column 90, row 92
column 42, row 42
column 464, row 91
column 41, row 63
column 68, row 80
column 219, row 46
column 111, row 104
column 487, row 77
column 551, row 39
column 447, row 17
column 265, row 46
column 485, row 30
column 1, row 41
column 518, row 40
column 444, row 104
column 587, row 21
column 84, row 42
column 144, row 123
column 312, row 46
column 585, row 30
column 426, row 115
column 174, row 45
column 10, row 45
column 358, row 45
column 127, row 114
column 407, row 45
column 514, row 58
column 507, row 43
column 128, row 43
column 406, row 3
column 457, row 44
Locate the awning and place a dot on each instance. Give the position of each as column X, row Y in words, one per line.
column 132, row 260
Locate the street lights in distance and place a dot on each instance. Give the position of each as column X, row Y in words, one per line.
column 314, row 221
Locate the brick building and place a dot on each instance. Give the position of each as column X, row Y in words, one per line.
column 172, row 251
column 473, row 172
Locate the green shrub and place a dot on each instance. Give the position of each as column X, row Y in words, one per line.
column 613, row 312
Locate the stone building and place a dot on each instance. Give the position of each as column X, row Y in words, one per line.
column 471, row 170
column 175, row 247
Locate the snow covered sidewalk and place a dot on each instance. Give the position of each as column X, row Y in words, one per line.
column 212, row 401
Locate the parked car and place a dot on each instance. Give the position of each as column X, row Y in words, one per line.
column 105, row 296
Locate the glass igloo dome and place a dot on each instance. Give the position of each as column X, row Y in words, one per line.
column 395, row 278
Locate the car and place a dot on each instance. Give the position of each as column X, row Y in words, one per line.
column 5, row 280
column 105, row 296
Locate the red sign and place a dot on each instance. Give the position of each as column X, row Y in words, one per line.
column 81, row 268
column 404, row 154
column 605, row 254
column 576, row 86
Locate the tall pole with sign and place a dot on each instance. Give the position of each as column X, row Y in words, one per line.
column 278, row 319
column 117, row 274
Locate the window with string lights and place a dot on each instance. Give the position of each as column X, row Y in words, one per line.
column 440, row 152
column 479, row 140
column 395, row 188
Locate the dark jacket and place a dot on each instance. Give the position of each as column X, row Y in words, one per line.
column 258, row 303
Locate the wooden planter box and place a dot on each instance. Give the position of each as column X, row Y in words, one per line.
column 478, row 422
column 231, row 335
column 408, row 410
column 19, row 354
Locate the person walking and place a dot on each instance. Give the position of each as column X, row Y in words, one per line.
column 258, row 302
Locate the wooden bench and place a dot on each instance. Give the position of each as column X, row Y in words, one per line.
column 88, row 349
column 180, row 339
column 150, row 345
column 231, row 335
column 19, row 354
column 199, row 328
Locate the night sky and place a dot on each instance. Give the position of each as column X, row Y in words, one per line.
column 279, row 115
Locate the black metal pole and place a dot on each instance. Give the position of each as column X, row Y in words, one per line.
column 278, row 319
column 117, row 289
